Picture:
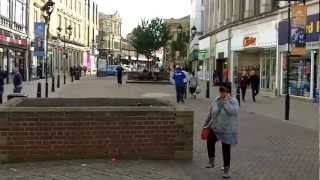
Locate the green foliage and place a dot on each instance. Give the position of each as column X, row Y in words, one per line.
column 148, row 37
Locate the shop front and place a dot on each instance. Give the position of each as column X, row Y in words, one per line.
column 13, row 53
column 222, row 60
column 203, row 66
column 303, row 70
column 254, row 50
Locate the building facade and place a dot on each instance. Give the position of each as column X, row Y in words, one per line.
column 14, row 37
column 111, row 44
column 66, row 48
column 249, row 36
column 172, row 54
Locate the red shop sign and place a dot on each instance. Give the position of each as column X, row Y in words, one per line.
column 249, row 41
column 15, row 42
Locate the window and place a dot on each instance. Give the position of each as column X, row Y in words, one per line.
column 65, row 25
column 35, row 16
column 242, row 8
column 256, row 7
column 74, row 29
column 93, row 12
column 4, row 8
column 79, row 8
column 79, row 31
column 59, row 20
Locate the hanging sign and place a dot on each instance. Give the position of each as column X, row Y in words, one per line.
column 39, row 47
column 298, row 30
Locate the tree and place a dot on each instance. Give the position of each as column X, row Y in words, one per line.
column 150, row 36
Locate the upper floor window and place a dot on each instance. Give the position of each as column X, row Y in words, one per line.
column 5, row 8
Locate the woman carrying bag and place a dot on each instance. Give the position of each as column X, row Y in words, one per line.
column 222, row 125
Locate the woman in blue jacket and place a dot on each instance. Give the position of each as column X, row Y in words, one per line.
column 223, row 123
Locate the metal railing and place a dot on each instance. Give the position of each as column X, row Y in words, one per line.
column 6, row 22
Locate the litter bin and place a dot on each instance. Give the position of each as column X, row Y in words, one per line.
column 16, row 95
column 77, row 75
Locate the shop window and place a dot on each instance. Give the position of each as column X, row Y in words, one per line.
column 299, row 77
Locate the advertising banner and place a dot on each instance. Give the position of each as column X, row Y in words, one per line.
column 298, row 30
column 39, row 30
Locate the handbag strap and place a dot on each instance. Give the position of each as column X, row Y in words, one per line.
column 213, row 118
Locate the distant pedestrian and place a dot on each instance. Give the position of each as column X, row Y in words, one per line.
column 179, row 78
column 85, row 70
column 119, row 75
column 193, row 85
column 255, row 85
column 244, row 81
column 186, row 80
column 222, row 122
column 3, row 76
column 17, row 81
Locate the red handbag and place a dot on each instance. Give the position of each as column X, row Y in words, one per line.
column 205, row 133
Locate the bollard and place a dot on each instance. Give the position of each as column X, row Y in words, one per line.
column 208, row 89
column 52, row 84
column 58, row 81
column 238, row 95
column 64, row 79
column 39, row 90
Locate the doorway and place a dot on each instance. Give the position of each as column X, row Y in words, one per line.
column 268, row 69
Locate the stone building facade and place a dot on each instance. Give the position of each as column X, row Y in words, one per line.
column 76, row 49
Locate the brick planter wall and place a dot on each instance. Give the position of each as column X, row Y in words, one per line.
column 39, row 133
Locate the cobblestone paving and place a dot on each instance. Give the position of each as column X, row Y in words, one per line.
column 269, row 149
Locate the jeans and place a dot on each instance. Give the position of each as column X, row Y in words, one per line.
column 180, row 93
column 211, row 147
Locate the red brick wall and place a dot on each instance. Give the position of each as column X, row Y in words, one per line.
column 71, row 135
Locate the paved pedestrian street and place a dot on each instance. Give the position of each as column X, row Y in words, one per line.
column 269, row 148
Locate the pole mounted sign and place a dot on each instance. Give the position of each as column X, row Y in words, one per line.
column 39, row 48
column 298, row 30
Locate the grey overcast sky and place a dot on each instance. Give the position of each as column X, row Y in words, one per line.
column 132, row 11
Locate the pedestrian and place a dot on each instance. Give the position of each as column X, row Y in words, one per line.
column 186, row 80
column 17, row 81
column 222, row 122
column 119, row 75
column 85, row 70
column 193, row 84
column 179, row 78
column 255, row 85
column 244, row 80
column 3, row 76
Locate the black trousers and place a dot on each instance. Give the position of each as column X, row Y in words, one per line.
column 255, row 92
column 1, row 95
column 243, row 93
column 226, row 149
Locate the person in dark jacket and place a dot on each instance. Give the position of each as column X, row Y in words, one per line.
column 3, row 76
column 244, row 80
column 255, row 85
column 17, row 81
column 179, row 78
column 119, row 75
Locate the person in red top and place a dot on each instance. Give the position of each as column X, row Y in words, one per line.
column 226, row 74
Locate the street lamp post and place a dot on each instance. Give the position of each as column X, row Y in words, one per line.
column 65, row 54
column 47, row 10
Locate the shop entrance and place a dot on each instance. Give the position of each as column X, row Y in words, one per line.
column 221, row 70
column 268, row 70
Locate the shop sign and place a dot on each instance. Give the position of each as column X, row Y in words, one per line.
column 39, row 39
column 249, row 41
column 204, row 54
column 13, row 41
column 298, row 30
